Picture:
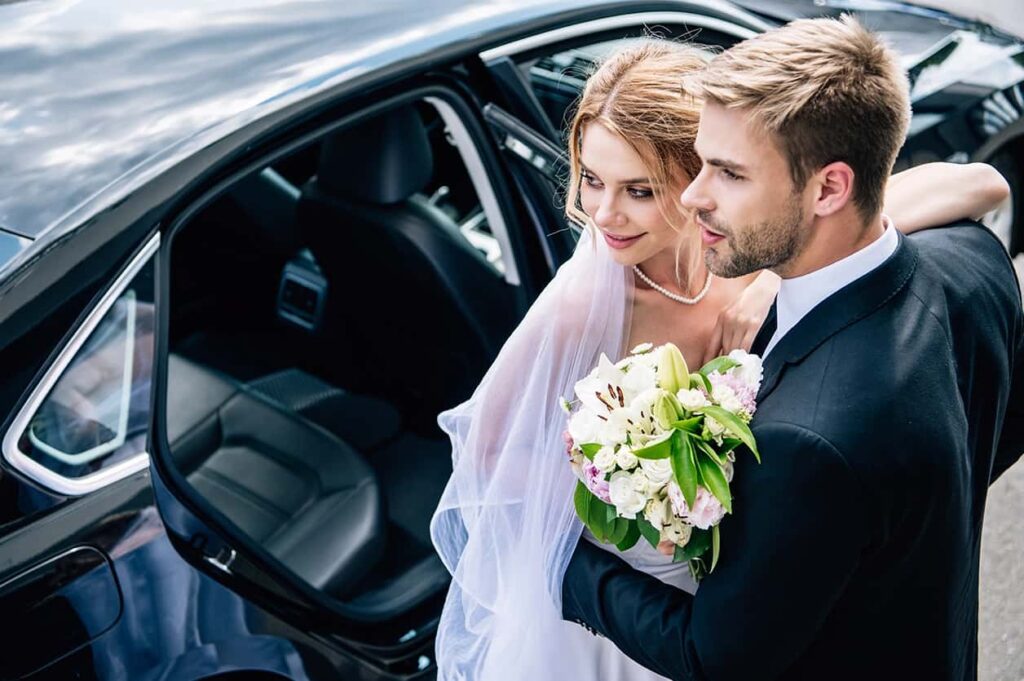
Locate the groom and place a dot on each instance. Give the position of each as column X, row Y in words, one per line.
column 893, row 392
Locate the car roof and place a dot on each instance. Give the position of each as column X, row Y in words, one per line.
column 99, row 96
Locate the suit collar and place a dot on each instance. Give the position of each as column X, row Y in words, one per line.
column 846, row 306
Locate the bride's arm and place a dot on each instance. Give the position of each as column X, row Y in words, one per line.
column 933, row 194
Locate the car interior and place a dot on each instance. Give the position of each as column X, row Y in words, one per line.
column 324, row 310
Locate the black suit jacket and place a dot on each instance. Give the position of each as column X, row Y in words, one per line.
column 852, row 553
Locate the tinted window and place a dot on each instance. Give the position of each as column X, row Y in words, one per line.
column 97, row 412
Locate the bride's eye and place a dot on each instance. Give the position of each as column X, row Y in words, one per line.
column 591, row 181
column 640, row 193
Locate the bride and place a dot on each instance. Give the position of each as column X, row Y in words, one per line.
column 505, row 526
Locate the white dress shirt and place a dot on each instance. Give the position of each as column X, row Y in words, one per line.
column 800, row 295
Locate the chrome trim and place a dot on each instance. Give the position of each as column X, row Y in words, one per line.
column 33, row 469
column 481, row 183
column 623, row 21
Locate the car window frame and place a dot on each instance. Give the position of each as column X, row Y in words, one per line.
column 29, row 467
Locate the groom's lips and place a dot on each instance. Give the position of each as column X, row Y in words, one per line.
column 708, row 236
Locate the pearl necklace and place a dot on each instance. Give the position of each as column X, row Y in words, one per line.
column 675, row 296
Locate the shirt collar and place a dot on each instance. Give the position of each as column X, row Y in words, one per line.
column 800, row 295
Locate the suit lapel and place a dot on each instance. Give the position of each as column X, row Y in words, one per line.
column 846, row 306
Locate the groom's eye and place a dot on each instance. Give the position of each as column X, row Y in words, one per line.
column 731, row 175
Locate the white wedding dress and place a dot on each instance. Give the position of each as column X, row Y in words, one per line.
column 610, row 664
column 505, row 526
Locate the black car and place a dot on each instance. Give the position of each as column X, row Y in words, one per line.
column 247, row 254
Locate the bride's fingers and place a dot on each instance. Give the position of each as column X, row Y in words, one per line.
column 714, row 343
column 667, row 548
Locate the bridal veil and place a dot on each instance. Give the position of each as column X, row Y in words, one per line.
column 505, row 526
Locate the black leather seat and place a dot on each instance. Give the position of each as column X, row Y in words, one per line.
column 297, row 490
column 425, row 309
column 273, row 455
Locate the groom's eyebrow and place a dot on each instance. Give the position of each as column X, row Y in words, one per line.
column 722, row 163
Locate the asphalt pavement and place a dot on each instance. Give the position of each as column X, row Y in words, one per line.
column 1001, row 610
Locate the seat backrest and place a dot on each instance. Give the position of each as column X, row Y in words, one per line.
column 402, row 278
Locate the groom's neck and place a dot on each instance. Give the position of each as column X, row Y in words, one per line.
column 833, row 238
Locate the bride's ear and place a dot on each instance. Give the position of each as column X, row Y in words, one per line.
column 834, row 188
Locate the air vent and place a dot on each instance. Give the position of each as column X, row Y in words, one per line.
column 302, row 294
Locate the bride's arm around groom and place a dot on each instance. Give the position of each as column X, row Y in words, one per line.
column 893, row 395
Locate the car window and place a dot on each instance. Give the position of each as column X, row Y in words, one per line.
column 96, row 414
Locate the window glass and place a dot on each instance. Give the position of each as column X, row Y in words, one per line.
column 97, row 413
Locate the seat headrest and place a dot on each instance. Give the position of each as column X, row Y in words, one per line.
column 383, row 160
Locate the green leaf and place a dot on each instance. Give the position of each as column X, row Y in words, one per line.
column 706, row 447
column 631, row 538
column 648, row 531
column 734, row 425
column 729, row 444
column 599, row 519
column 684, row 468
column 581, row 500
column 714, row 480
column 698, row 380
column 611, row 515
column 719, row 364
column 590, row 449
column 658, row 448
column 715, row 546
column 619, row 528
column 690, row 425
column 700, row 542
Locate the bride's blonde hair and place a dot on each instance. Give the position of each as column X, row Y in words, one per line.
column 639, row 94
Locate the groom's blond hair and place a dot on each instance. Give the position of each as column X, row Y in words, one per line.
column 829, row 90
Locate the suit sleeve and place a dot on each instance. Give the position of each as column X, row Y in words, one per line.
column 798, row 528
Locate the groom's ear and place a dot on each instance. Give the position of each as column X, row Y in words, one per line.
column 834, row 188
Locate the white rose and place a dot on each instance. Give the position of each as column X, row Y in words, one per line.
column 643, row 484
column 750, row 370
column 626, row 459
column 714, row 426
column 622, row 492
column 605, row 459
column 659, row 471
column 692, row 399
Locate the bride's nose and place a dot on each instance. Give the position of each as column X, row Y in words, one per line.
column 607, row 213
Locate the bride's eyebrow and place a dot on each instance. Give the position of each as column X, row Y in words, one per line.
column 635, row 180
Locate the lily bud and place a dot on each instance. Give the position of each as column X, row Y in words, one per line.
column 665, row 410
column 673, row 373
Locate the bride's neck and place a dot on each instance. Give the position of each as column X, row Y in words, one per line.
column 662, row 269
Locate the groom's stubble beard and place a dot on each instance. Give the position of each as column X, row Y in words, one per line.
column 769, row 244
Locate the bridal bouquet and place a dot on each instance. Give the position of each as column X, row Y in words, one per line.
column 653, row 447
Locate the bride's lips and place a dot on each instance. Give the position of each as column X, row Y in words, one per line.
column 619, row 242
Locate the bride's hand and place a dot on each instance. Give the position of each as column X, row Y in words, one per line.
column 739, row 323
column 667, row 548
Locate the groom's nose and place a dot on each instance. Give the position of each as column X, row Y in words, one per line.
column 695, row 196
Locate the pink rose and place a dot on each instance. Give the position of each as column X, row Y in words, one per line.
column 593, row 478
column 569, row 444
column 707, row 510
